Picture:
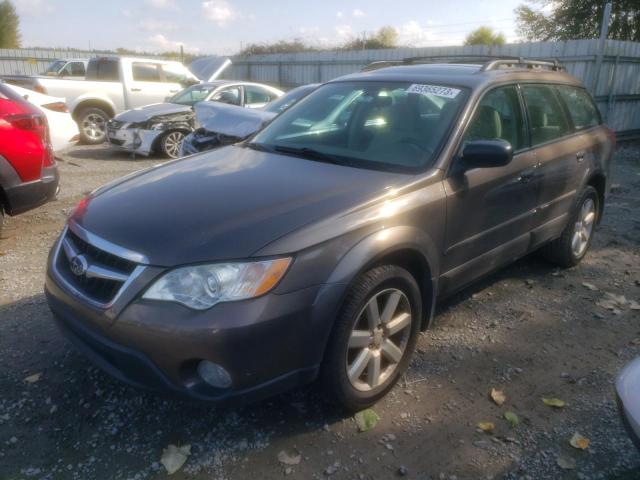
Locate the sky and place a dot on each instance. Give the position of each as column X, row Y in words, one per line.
column 224, row 26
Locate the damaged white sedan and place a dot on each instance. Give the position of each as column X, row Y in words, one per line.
column 161, row 127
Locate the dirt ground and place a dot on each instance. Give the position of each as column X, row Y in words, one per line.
column 529, row 330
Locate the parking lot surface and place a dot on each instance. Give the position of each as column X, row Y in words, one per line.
column 530, row 330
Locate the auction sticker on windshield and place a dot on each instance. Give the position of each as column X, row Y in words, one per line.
column 436, row 90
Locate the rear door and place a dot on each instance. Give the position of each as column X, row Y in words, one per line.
column 489, row 210
column 147, row 84
column 560, row 156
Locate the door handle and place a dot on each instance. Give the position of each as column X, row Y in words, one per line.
column 525, row 177
column 136, row 89
column 580, row 156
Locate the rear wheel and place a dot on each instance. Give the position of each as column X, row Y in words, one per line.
column 171, row 142
column 92, row 123
column 573, row 244
column 373, row 338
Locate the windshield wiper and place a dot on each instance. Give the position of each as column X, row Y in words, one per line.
column 311, row 154
column 260, row 147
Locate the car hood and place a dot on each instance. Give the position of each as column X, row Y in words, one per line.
column 223, row 204
column 230, row 120
column 147, row 112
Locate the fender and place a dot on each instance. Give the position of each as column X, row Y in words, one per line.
column 94, row 98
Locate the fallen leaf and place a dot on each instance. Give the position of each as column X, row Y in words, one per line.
column 366, row 419
column 633, row 305
column 512, row 418
column 497, row 396
column 554, row 402
column 33, row 378
column 613, row 302
column 173, row 457
column 289, row 457
column 486, row 427
column 590, row 286
column 579, row 442
column 566, row 463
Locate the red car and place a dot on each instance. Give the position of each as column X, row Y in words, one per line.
column 28, row 170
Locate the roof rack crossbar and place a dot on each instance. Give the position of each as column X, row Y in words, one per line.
column 488, row 62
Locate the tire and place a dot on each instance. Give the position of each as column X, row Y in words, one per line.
column 92, row 123
column 1, row 219
column 170, row 143
column 341, row 384
column 563, row 251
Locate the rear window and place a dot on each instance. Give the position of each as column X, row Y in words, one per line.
column 582, row 110
column 146, row 72
column 104, row 69
column 547, row 120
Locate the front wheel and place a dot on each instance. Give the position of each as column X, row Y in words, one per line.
column 575, row 240
column 171, row 143
column 373, row 338
column 92, row 123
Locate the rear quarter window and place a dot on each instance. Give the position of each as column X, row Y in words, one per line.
column 582, row 109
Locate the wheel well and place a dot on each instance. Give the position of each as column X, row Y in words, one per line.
column 156, row 142
column 599, row 182
column 415, row 263
column 92, row 104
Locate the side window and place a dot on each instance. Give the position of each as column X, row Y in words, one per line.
column 77, row 69
column 498, row 116
column 229, row 95
column 546, row 116
column 104, row 69
column 254, row 94
column 583, row 111
column 174, row 73
column 146, row 72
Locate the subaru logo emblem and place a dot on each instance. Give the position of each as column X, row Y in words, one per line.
column 78, row 265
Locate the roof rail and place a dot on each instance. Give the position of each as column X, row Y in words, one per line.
column 488, row 62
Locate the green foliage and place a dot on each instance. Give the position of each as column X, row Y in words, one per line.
column 386, row 37
column 281, row 46
column 577, row 19
column 484, row 36
column 9, row 26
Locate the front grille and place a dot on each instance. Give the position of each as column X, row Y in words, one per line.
column 101, row 290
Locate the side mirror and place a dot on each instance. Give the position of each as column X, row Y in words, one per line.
column 487, row 153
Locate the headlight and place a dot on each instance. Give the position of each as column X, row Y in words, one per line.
column 202, row 286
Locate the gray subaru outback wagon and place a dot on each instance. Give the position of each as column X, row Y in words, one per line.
column 318, row 248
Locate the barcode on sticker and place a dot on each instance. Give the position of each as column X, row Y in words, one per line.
column 436, row 90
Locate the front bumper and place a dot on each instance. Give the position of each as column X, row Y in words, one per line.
column 135, row 140
column 268, row 344
column 27, row 196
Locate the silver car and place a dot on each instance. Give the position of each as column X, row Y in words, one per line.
column 628, row 393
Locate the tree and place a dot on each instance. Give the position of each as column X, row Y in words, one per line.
column 575, row 19
column 281, row 46
column 484, row 36
column 9, row 26
column 386, row 37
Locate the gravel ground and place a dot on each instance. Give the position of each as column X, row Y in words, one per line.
column 529, row 330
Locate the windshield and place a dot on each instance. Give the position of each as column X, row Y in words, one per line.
column 396, row 126
column 289, row 98
column 192, row 95
column 55, row 67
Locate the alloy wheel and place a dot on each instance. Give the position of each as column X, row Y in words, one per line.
column 583, row 228
column 378, row 339
column 172, row 144
column 94, row 126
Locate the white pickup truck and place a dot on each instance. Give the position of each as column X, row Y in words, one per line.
column 113, row 85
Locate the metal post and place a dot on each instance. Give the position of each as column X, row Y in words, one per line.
column 602, row 42
column 181, row 53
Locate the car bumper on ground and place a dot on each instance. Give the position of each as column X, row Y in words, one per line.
column 135, row 140
column 266, row 345
column 26, row 196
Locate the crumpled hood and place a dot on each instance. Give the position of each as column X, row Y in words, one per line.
column 223, row 204
column 230, row 120
column 147, row 112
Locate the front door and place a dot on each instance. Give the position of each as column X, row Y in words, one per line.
column 489, row 210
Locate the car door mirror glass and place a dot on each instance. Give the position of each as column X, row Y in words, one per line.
column 487, row 153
